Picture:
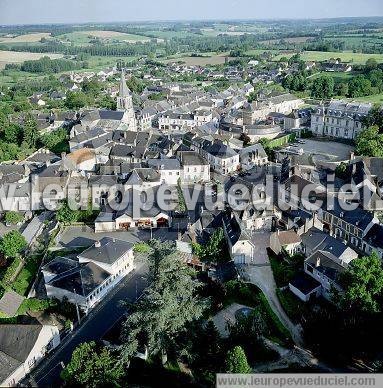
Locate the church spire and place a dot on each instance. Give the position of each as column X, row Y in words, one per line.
column 124, row 90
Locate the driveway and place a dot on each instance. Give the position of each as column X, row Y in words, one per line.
column 261, row 274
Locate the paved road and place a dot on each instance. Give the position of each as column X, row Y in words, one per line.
column 102, row 318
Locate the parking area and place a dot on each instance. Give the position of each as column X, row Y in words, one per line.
column 326, row 150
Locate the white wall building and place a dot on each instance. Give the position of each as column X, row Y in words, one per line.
column 340, row 119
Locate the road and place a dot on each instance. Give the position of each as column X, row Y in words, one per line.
column 99, row 321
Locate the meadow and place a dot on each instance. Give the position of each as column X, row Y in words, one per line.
column 19, row 57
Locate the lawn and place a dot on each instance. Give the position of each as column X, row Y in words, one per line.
column 374, row 99
column 27, row 275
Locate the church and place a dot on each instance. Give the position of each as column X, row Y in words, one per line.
column 124, row 118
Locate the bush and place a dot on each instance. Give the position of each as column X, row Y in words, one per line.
column 33, row 305
column 13, row 218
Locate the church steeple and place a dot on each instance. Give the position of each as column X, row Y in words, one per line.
column 125, row 104
column 124, row 99
column 124, row 90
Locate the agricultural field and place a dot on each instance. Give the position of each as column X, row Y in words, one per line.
column 356, row 58
column 19, row 57
column 85, row 37
column 298, row 39
column 27, row 38
column 216, row 59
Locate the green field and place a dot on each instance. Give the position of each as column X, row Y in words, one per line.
column 338, row 77
column 375, row 99
column 356, row 58
column 85, row 37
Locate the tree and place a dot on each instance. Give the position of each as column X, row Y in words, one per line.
column 363, row 284
column 236, row 361
column 374, row 117
column 371, row 64
column 56, row 141
column 30, row 130
column 93, row 367
column 66, row 215
column 76, row 100
column 214, row 250
column 13, row 218
column 369, row 142
column 323, row 87
column 13, row 133
column 359, row 86
column 168, row 306
column 12, row 243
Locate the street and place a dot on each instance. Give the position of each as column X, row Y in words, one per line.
column 99, row 321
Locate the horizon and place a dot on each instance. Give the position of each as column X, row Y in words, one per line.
column 39, row 12
column 191, row 21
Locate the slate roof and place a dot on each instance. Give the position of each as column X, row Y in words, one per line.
column 83, row 280
column 10, row 302
column 375, row 236
column 164, row 164
column 122, row 151
column 110, row 250
column 16, row 343
column 357, row 217
column 220, row 150
column 111, row 115
column 329, row 265
column 305, row 283
column 192, row 159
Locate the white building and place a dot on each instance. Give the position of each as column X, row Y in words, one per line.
column 222, row 158
column 22, row 347
column 195, row 168
column 252, row 156
column 87, row 280
column 169, row 170
column 340, row 119
column 241, row 247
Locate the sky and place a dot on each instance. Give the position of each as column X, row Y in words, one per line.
column 82, row 11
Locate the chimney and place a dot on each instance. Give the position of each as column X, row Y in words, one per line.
column 352, row 155
column 97, row 244
column 317, row 264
